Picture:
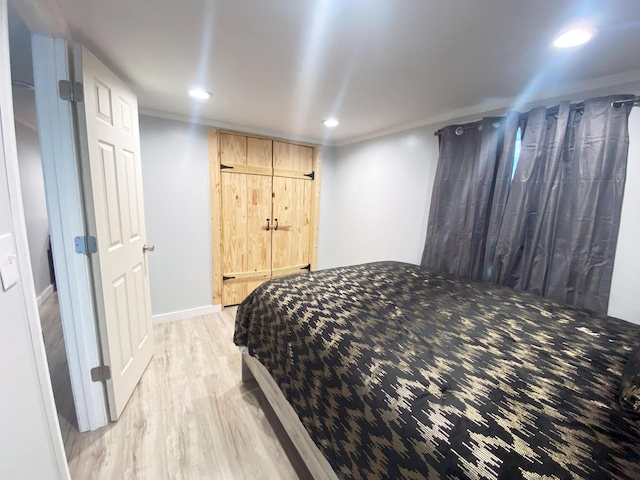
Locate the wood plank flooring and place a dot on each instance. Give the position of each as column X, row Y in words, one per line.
column 191, row 417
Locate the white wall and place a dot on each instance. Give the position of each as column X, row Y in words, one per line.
column 25, row 442
column 624, row 301
column 378, row 199
column 325, row 230
column 175, row 176
column 381, row 190
column 374, row 206
column 35, row 206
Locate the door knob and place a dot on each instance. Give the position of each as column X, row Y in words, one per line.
column 148, row 248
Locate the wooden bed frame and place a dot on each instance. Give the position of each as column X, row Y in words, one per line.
column 314, row 461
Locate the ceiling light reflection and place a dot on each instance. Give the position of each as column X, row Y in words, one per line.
column 200, row 93
column 573, row 38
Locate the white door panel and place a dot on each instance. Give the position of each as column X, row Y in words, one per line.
column 111, row 154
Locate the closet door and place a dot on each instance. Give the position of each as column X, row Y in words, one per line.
column 292, row 208
column 242, row 154
column 246, row 213
column 291, row 160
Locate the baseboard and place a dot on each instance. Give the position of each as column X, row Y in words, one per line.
column 44, row 295
column 182, row 314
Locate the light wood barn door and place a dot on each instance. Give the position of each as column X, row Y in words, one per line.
column 291, row 160
column 243, row 154
column 246, row 215
column 110, row 143
column 292, row 208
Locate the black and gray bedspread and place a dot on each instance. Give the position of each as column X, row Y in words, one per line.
column 401, row 373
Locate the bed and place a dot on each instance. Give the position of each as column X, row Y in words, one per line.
column 398, row 372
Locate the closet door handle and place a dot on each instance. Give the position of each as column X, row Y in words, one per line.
column 268, row 226
column 276, row 224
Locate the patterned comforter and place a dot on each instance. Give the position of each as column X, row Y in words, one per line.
column 397, row 372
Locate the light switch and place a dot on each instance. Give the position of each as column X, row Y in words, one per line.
column 8, row 262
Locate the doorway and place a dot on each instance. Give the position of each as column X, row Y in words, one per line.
column 37, row 220
column 90, row 151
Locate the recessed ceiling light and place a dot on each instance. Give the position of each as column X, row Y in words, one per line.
column 331, row 122
column 199, row 93
column 573, row 38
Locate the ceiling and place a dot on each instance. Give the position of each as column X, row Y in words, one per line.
column 284, row 66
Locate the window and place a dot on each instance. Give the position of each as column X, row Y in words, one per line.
column 516, row 153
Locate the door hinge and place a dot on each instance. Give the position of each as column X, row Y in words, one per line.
column 222, row 167
column 86, row 245
column 224, row 277
column 308, row 267
column 71, row 91
column 100, row 374
column 311, row 175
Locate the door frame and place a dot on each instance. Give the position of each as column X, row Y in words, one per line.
column 67, row 220
column 215, row 195
column 9, row 145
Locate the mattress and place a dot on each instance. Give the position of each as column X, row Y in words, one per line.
column 398, row 372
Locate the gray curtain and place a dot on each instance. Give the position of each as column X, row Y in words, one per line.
column 521, row 248
column 560, row 222
column 588, row 218
column 500, row 192
column 461, row 198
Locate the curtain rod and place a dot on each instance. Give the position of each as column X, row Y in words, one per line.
column 635, row 101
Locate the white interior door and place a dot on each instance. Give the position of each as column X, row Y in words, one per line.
column 110, row 146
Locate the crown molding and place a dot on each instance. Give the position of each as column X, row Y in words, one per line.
column 502, row 106
column 230, row 126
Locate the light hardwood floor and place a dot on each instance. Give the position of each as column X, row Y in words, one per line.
column 191, row 417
